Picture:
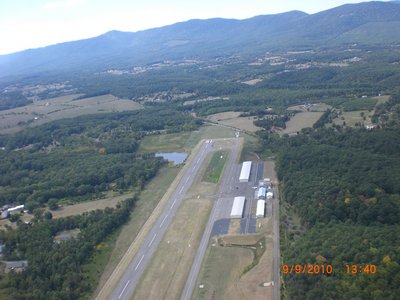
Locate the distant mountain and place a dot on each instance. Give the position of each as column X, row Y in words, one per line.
column 366, row 23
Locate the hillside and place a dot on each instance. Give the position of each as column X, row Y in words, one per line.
column 204, row 39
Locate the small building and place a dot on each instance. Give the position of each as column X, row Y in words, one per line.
column 245, row 172
column 262, row 191
column 17, row 266
column 238, row 207
column 16, row 208
column 4, row 214
column 270, row 195
column 260, row 213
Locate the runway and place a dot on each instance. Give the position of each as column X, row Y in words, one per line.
column 220, row 210
column 129, row 280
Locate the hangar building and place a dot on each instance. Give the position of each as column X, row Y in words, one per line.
column 238, row 207
column 245, row 172
column 260, row 209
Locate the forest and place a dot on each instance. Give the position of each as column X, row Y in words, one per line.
column 343, row 184
column 66, row 162
column 56, row 270
column 78, row 159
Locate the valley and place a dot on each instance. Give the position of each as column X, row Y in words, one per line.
column 91, row 210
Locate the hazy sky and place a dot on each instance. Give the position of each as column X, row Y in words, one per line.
column 36, row 23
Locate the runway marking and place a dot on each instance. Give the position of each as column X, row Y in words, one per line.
column 162, row 222
column 126, row 285
column 152, row 240
column 180, row 192
column 173, row 203
column 140, row 261
column 187, row 179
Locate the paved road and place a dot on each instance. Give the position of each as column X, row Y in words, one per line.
column 227, row 186
column 276, row 244
column 125, row 288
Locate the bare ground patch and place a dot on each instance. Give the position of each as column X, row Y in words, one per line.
column 76, row 209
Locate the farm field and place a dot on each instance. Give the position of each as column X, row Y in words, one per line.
column 43, row 111
column 76, row 209
column 168, row 270
column 351, row 118
column 301, row 120
column 231, row 118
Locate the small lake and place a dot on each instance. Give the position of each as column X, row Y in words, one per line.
column 176, row 157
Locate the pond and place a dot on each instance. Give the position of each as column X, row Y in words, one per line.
column 176, row 157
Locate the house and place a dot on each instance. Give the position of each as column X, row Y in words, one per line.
column 4, row 214
column 17, row 266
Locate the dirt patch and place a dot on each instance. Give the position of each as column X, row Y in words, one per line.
column 77, row 209
column 252, row 82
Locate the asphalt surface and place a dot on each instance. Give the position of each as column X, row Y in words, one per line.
column 220, row 211
column 126, row 286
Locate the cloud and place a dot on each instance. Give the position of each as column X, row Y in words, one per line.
column 60, row 4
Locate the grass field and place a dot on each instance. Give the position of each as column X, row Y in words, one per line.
column 359, row 104
column 221, row 269
column 231, row 118
column 44, row 111
column 301, row 120
column 350, row 118
column 215, row 167
column 314, row 107
column 76, row 209
column 166, row 275
column 119, row 244
column 237, row 266
column 164, row 142
column 183, row 141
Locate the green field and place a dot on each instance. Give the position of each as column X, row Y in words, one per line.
column 183, row 141
column 214, row 169
column 360, row 104
column 44, row 111
column 217, row 281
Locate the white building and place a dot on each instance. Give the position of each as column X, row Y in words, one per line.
column 16, row 208
column 238, row 207
column 245, row 172
column 270, row 195
column 260, row 209
column 262, row 191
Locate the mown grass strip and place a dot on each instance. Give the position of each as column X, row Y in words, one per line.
column 214, row 169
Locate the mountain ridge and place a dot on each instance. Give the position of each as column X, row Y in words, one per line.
column 206, row 39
